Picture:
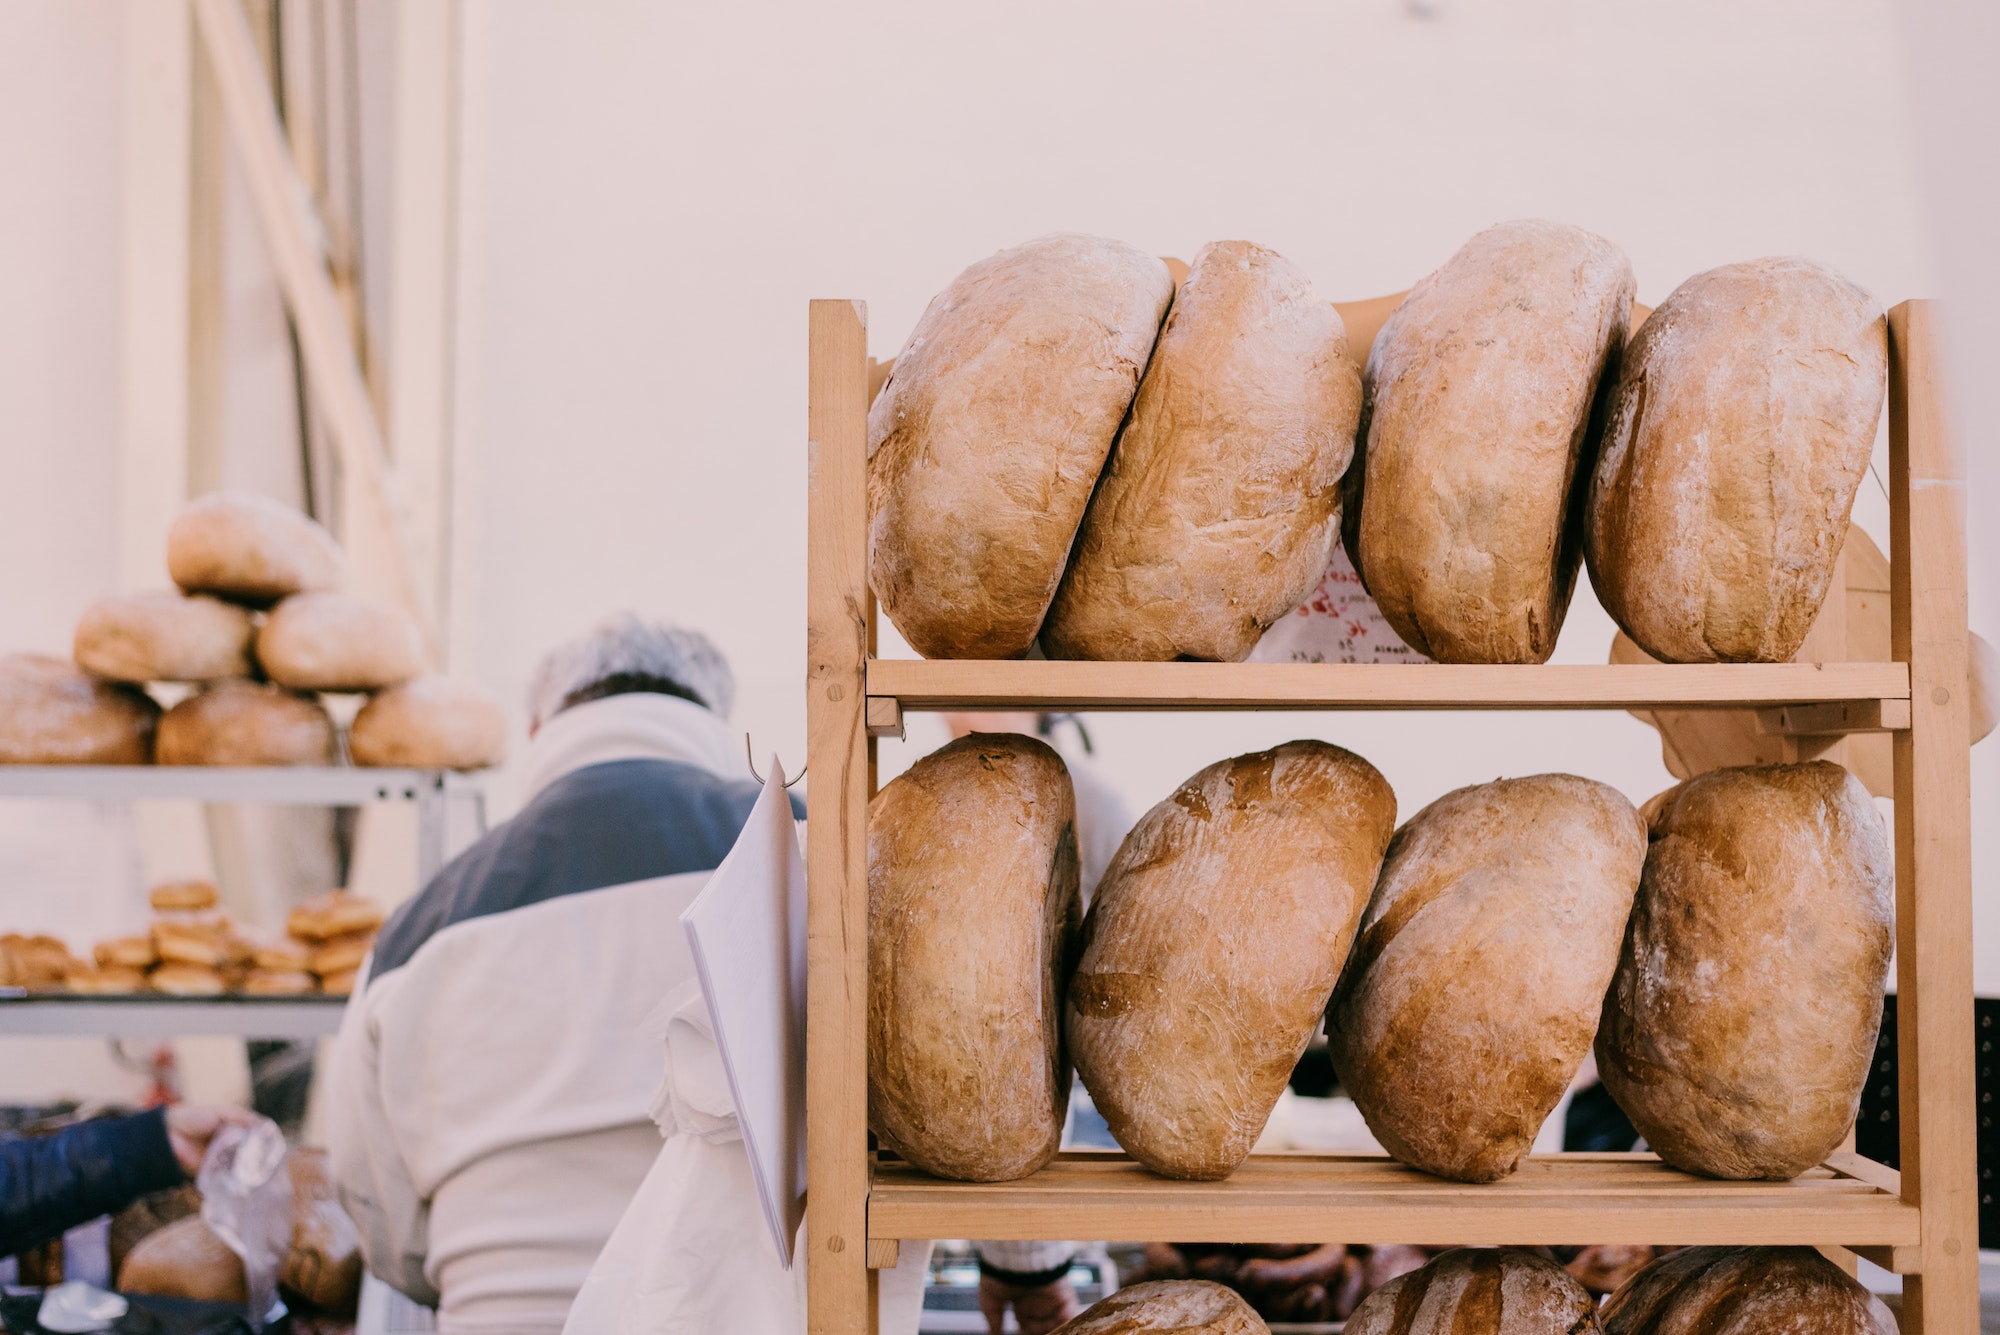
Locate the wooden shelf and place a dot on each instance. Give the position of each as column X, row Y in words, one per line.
column 1555, row 1199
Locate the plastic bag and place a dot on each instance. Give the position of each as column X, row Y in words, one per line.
column 246, row 1200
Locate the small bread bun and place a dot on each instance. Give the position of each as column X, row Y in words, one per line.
column 207, row 939
column 430, row 723
column 37, row 963
column 335, row 913
column 187, row 980
column 170, row 896
column 54, row 713
column 285, row 956
column 342, row 954
column 279, row 983
column 338, row 984
column 249, row 549
column 127, row 952
column 104, row 982
column 163, row 636
column 331, row 642
column 239, row 722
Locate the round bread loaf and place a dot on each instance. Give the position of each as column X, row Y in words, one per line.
column 1462, row 507
column 1745, row 1291
column 184, row 1260
column 1492, row 934
column 1212, row 945
column 1171, row 1307
column 1487, row 1290
column 323, row 1265
column 1743, row 418
column 162, row 636
column 1222, row 500
column 249, row 548
column 238, row 722
column 331, row 642
column 989, row 434
column 973, row 908
column 430, row 723
column 52, row 713
column 1740, row 1024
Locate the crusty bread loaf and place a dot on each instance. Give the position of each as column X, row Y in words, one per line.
column 430, row 723
column 238, row 722
column 1477, row 439
column 1743, row 418
column 249, row 548
column 1222, row 499
column 973, row 909
column 323, row 1265
column 335, row 913
column 52, row 713
column 1745, row 1291
column 1492, row 934
column 163, row 636
column 1170, row 1307
column 183, row 896
column 332, row 642
column 184, row 1260
column 1213, row 943
column 985, row 442
column 1738, row 1029
column 1487, row 1290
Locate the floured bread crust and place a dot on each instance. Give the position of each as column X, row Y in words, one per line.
column 52, row 713
column 1488, row 1290
column 1494, row 930
column 1739, row 1027
column 1742, row 423
column 1170, row 1307
column 1222, row 500
column 163, row 636
column 1745, row 1291
column 973, row 909
column 238, row 722
column 1212, row 945
column 331, row 642
column 250, row 549
column 1463, row 505
column 430, row 722
column 985, row 442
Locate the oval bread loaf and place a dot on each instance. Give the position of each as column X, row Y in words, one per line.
column 249, row 548
column 1493, row 932
column 1742, row 423
column 989, row 434
column 163, row 636
column 238, row 722
column 1745, row 1291
column 1212, row 945
column 429, row 722
column 52, row 713
column 1171, row 1307
column 331, row 642
column 1462, row 506
column 973, row 910
column 1739, row 1027
column 184, row 1260
column 1488, row 1290
column 1222, row 500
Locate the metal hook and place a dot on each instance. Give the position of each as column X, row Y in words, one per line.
column 750, row 758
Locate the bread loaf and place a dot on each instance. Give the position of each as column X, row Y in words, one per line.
column 1492, row 934
column 140, row 637
column 972, row 917
column 1212, row 946
column 127, row 952
column 1742, row 422
column 249, row 548
column 335, row 913
column 1222, row 499
column 184, row 1260
column 1487, row 1290
column 51, row 713
column 341, row 954
column 985, row 442
column 430, row 723
column 1739, row 1027
column 183, row 896
column 239, row 722
column 186, row 980
column 1171, row 1307
column 279, row 983
column 1477, row 440
column 1745, row 1291
column 323, row 1265
column 331, row 642
column 109, row 980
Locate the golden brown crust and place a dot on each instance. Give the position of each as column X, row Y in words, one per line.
column 249, row 549
column 187, row 980
column 184, row 1260
column 985, row 442
column 1213, row 943
column 128, row 952
column 285, row 956
column 335, row 913
column 338, row 984
column 323, row 1264
column 279, row 983
column 1491, row 1290
column 332, row 642
column 973, row 910
column 1477, row 436
column 341, row 954
column 110, row 980
column 430, row 722
column 1221, row 503
column 1170, row 1307
column 163, row 636
column 53, row 713
column 1739, row 1027
column 1492, row 934
column 1741, row 425
column 246, row 723
column 36, row 962
column 183, row 896
column 1745, row 1291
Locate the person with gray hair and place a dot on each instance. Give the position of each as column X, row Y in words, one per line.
column 488, row 1108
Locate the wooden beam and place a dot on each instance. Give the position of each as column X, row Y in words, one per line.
column 885, row 717
column 1840, row 717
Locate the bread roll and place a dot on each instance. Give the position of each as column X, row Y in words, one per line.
column 331, row 642
column 241, row 722
column 130, row 952
column 1176, row 1306
column 985, row 442
column 1492, row 934
column 1461, row 512
column 1744, row 415
column 341, row 954
column 279, row 983
column 250, row 549
column 1487, row 1290
column 187, row 980
column 1212, row 946
column 53, row 714
column 338, row 984
column 178, row 896
column 1745, row 1291
column 184, row 1260
column 1222, row 500
column 1740, row 1024
column 285, row 956
column 111, row 980
column 38, row 962
column 335, row 913
column 973, row 907
column 208, row 940
column 430, row 723
column 160, row 636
